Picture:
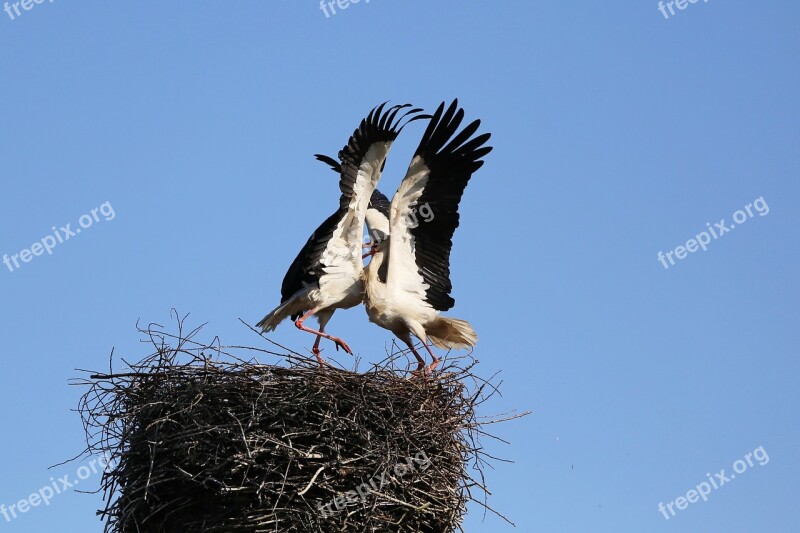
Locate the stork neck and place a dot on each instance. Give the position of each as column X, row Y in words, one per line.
column 376, row 270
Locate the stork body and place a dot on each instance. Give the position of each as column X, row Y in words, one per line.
column 328, row 273
column 408, row 279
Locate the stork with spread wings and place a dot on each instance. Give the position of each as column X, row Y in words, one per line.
column 327, row 274
column 408, row 279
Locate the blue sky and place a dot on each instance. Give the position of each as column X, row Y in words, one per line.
column 618, row 134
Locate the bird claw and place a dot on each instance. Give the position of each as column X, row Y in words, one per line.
column 346, row 348
column 423, row 371
column 343, row 345
column 420, row 373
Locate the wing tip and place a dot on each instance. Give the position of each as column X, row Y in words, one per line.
column 381, row 125
column 335, row 165
column 443, row 135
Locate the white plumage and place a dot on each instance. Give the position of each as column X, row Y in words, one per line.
column 408, row 279
column 328, row 273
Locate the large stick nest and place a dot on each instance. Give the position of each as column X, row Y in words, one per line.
column 202, row 439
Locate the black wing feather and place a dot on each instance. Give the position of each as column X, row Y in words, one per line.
column 451, row 167
column 307, row 266
column 380, row 202
column 379, row 126
column 334, row 164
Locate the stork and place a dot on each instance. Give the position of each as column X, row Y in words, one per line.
column 327, row 274
column 408, row 278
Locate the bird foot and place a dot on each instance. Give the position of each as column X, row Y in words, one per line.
column 423, row 371
column 342, row 344
column 420, row 373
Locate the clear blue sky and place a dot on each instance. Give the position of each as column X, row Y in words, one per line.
column 618, row 133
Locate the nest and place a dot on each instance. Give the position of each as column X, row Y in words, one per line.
column 202, row 439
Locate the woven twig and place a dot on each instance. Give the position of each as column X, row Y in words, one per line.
column 203, row 439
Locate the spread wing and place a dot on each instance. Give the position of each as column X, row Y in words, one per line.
column 336, row 243
column 424, row 211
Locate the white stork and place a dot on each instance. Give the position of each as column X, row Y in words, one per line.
column 408, row 278
column 327, row 274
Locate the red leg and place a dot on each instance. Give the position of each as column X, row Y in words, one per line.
column 420, row 361
column 339, row 342
column 315, row 349
column 433, row 365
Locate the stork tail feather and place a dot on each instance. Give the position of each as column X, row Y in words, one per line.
column 450, row 333
column 291, row 307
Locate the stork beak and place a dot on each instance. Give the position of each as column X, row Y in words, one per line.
column 372, row 251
